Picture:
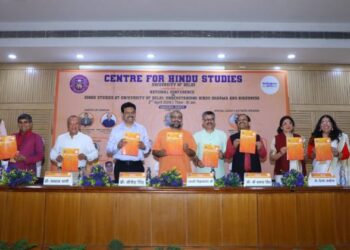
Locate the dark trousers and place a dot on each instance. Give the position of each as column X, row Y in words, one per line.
column 127, row 166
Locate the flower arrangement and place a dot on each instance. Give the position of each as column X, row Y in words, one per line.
column 170, row 178
column 294, row 178
column 230, row 180
column 98, row 177
column 14, row 177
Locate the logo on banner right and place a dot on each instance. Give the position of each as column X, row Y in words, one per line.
column 270, row 85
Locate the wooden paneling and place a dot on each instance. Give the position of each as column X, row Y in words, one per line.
column 23, row 217
column 204, row 215
column 239, row 220
column 62, row 218
column 97, row 209
column 277, row 220
column 316, row 218
column 132, row 219
column 3, row 200
column 169, row 219
column 342, row 217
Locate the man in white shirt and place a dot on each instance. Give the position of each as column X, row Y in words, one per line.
column 74, row 139
column 125, row 162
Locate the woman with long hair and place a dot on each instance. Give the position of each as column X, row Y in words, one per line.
column 326, row 127
column 278, row 149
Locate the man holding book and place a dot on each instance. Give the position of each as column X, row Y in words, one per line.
column 245, row 149
column 175, row 147
column 211, row 145
column 73, row 149
column 128, row 143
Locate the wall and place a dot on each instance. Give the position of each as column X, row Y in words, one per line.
column 313, row 90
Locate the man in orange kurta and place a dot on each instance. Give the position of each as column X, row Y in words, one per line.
column 175, row 147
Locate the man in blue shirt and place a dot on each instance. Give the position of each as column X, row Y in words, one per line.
column 125, row 162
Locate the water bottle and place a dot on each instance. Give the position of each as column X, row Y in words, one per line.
column 148, row 176
column 342, row 177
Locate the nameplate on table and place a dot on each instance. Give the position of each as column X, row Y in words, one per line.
column 131, row 179
column 321, row 180
column 257, row 180
column 200, row 180
column 55, row 178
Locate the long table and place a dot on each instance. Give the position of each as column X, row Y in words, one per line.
column 201, row 218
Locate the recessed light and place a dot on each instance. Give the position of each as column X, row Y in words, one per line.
column 30, row 70
column 277, row 68
column 291, row 56
column 12, row 56
column 337, row 70
column 80, row 56
column 150, row 56
column 221, row 56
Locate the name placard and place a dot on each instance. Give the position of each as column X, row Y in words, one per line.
column 131, row 179
column 200, row 180
column 257, row 180
column 55, row 178
column 321, row 180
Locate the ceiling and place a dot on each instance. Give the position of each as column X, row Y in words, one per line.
column 171, row 15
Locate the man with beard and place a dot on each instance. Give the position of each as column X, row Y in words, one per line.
column 209, row 135
column 244, row 162
column 181, row 160
column 125, row 162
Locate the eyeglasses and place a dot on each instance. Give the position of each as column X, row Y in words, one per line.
column 209, row 119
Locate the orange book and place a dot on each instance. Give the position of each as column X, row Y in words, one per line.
column 211, row 155
column 70, row 159
column 132, row 144
column 8, row 147
column 247, row 142
column 295, row 148
column 323, row 149
column 174, row 143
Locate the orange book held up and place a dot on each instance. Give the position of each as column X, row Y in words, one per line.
column 174, row 143
column 211, row 155
column 8, row 147
column 70, row 159
column 132, row 144
column 295, row 148
column 247, row 142
column 323, row 149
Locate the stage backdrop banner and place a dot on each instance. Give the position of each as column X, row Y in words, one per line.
column 96, row 96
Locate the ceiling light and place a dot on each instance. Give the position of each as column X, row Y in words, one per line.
column 30, row 70
column 12, row 56
column 80, row 56
column 150, row 56
column 221, row 56
column 291, row 56
column 277, row 68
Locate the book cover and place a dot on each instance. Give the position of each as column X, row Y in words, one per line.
column 132, row 144
column 295, row 148
column 70, row 159
column 211, row 155
column 247, row 142
column 8, row 147
column 323, row 149
column 174, row 143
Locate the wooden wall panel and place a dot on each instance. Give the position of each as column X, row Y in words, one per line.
column 204, row 213
column 62, row 218
column 342, row 217
column 169, row 219
column 97, row 209
column 3, row 200
column 132, row 219
column 277, row 220
column 239, row 220
column 23, row 217
column 316, row 219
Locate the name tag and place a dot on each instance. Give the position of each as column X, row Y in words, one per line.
column 131, row 179
column 321, row 180
column 200, row 180
column 257, row 180
column 54, row 178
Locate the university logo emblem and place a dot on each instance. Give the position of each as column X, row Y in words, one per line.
column 79, row 84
